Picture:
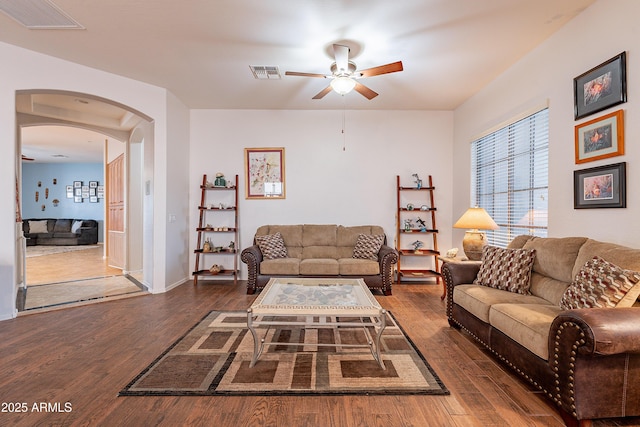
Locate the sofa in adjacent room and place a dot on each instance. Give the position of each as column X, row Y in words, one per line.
column 60, row 232
column 563, row 313
column 313, row 250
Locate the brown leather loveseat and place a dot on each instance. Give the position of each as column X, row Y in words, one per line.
column 586, row 360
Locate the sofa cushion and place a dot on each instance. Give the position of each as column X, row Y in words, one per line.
column 62, row 226
column 368, row 246
column 358, row 267
column 272, row 246
column 319, row 235
column 348, row 236
column 280, row 267
column 506, row 269
column 319, row 267
column 319, row 252
column 478, row 300
column 622, row 256
column 36, row 227
column 547, row 288
column 602, row 284
column 555, row 257
column 527, row 324
column 291, row 234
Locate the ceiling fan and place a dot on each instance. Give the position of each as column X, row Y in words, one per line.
column 29, row 159
column 344, row 74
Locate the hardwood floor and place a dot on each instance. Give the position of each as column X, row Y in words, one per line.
column 82, row 357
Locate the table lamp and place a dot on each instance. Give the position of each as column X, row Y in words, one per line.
column 474, row 240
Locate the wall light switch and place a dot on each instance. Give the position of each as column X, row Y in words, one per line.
column 172, row 218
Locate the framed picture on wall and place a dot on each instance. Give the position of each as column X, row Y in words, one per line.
column 69, row 190
column 93, row 199
column 264, row 169
column 93, row 184
column 600, row 138
column 100, row 191
column 77, row 192
column 77, row 199
column 77, row 184
column 600, row 187
column 601, row 87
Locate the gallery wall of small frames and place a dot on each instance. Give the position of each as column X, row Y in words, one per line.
column 79, row 192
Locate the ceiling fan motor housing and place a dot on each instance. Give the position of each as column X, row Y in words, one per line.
column 351, row 68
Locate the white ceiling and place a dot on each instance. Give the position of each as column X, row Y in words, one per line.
column 201, row 50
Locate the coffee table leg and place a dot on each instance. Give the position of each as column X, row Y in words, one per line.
column 257, row 343
column 383, row 324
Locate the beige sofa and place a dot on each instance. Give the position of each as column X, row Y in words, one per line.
column 314, row 250
column 586, row 360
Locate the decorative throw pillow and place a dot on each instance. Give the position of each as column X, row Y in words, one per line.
column 76, row 226
column 600, row 283
column 272, row 246
column 38, row 226
column 506, row 269
column 368, row 246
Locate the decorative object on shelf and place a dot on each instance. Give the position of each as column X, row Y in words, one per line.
column 418, row 181
column 600, row 187
column 601, row 87
column 264, row 169
column 55, row 202
column 421, row 224
column 410, row 206
column 215, row 269
column 408, row 224
column 600, row 138
column 424, row 208
column 206, row 247
column 452, row 253
column 417, row 245
column 475, row 219
column 232, row 246
column 220, row 181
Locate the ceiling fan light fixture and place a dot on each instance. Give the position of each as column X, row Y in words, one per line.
column 343, row 85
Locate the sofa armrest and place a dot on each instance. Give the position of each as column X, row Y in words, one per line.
column 458, row 273
column 387, row 257
column 87, row 235
column 252, row 256
column 597, row 331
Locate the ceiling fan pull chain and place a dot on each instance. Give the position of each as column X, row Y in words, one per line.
column 344, row 120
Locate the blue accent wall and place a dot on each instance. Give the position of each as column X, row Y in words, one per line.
column 64, row 174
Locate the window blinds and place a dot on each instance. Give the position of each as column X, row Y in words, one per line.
column 510, row 180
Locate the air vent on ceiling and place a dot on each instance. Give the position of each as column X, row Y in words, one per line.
column 38, row 15
column 265, row 72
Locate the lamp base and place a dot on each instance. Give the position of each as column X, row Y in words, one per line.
column 473, row 243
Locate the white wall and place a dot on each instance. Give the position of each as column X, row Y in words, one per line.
column 324, row 184
column 23, row 69
column 601, row 32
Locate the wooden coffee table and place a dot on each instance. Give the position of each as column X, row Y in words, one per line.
column 316, row 303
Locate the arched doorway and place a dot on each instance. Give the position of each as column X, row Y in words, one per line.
column 120, row 125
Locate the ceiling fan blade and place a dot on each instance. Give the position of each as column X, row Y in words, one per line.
column 295, row 73
column 341, row 54
column 27, row 158
column 382, row 69
column 365, row 91
column 322, row 93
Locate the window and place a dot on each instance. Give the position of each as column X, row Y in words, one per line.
column 510, row 179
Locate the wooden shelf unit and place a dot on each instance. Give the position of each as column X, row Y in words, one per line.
column 209, row 206
column 429, row 269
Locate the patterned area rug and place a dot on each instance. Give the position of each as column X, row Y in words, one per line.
column 213, row 359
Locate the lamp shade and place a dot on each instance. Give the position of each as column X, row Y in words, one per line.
column 476, row 219
column 343, row 85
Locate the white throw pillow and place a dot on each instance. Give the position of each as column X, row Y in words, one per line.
column 76, row 226
column 38, row 226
